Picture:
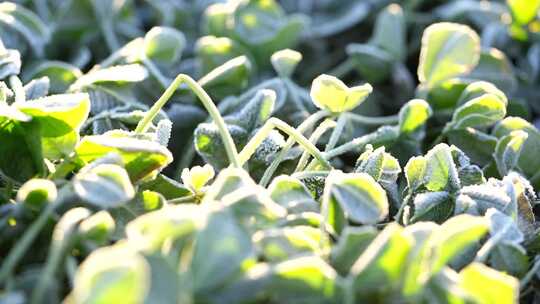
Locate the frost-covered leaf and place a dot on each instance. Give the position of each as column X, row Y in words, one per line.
column 448, row 50
column 141, row 157
column 485, row 285
column 380, row 267
column 432, row 206
column 307, row 279
column 354, row 196
column 351, row 244
column 390, row 31
column 164, row 44
column 292, row 194
column 60, row 118
column 441, row 172
column 481, row 111
column 285, row 62
column 26, row 23
column 508, row 151
column 413, row 115
column 330, row 93
column 126, row 272
column 103, row 185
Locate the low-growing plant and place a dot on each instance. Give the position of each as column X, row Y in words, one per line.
column 274, row 152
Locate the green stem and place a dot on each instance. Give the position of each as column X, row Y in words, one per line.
column 314, row 138
column 354, row 144
column 272, row 123
column 18, row 251
column 53, row 261
column 18, row 88
column 182, row 200
column 294, row 96
column 107, row 27
column 366, row 120
column 530, row 274
column 336, row 134
column 308, row 123
column 343, row 68
column 308, row 174
column 228, row 142
column 154, row 71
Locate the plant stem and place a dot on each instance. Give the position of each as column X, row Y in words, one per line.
column 356, row 143
column 308, row 123
column 18, row 88
column 366, row 120
column 53, row 260
column 334, row 138
column 154, row 71
column 530, row 274
column 228, row 142
column 294, row 96
column 19, row 249
column 306, row 174
column 314, row 138
column 272, row 123
column 183, row 199
column 343, row 68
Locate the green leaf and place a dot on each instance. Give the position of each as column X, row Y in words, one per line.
column 524, row 11
column 166, row 186
column 380, row 268
column 222, row 246
column 22, row 156
column 503, row 228
column 112, row 274
column 306, row 279
column 292, row 194
column 481, row 111
column 37, row 193
column 330, row 93
column 119, row 75
column 229, row 78
column 142, row 158
column 485, row 285
column 478, row 145
column 390, row 32
column 197, row 177
column 214, row 51
column 432, row 206
column 413, row 116
column 494, row 67
column 441, row 172
column 351, row 244
column 372, row 62
column 98, row 227
column 60, row 118
column 453, row 237
column 479, row 89
column 358, row 195
column 528, row 162
column 10, row 62
column 164, row 44
column 448, row 50
column 150, row 231
column 510, row 258
column 415, row 171
column 36, row 88
column 281, row 244
column 103, row 185
column 61, row 74
column 508, row 151
column 26, row 23
column 285, row 62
